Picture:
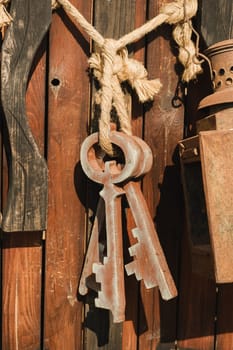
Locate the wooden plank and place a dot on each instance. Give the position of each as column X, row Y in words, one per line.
column 132, row 287
column 163, row 128
column 22, row 252
column 224, row 317
column 26, row 206
column 21, row 278
column 197, row 301
column 67, row 126
column 216, row 20
column 111, row 336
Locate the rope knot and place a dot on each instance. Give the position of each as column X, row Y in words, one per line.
column 126, row 69
column 112, row 67
column 108, row 54
column 180, row 10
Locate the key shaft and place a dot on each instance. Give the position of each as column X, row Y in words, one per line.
column 110, row 274
column 149, row 263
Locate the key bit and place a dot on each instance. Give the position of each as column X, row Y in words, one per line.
column 110, row 274
column 93, row 251
column 150, row 263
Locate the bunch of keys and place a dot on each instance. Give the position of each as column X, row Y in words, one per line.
column 149, row 263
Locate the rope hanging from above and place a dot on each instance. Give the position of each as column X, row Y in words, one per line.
column 5, row 17
column 111, row 64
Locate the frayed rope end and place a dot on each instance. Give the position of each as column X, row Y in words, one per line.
column 5, row 17
column 147, row 89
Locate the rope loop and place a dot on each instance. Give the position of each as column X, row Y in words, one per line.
column 112, row 66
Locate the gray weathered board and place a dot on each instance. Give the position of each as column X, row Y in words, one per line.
column 27, row 195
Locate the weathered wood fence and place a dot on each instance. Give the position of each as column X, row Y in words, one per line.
column 41, row 308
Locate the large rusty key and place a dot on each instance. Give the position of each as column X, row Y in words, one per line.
column 110, row 274
column 149, row 262
column 93, row 254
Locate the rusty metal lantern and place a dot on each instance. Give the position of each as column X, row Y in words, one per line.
column 207, row 170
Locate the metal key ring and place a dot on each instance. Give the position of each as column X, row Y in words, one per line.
column 132, row 153
column 147, row 158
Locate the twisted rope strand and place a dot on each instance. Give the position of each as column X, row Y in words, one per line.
column 81, row 20
column 177, row 13
column 112, row 65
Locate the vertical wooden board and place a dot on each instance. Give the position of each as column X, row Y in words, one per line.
column 114, row 19
column 21, row 291
column 22, row 252
column 26, row 205
column 163, row 128
column 130, row 326
column 68, row 110
column 216, row 20
column 224, row 317
column 197, row 302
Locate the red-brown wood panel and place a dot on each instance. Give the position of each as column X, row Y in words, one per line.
column 197, row 305
column 68, row 109
column 22, row 251
column 110, row 335
column 224, row 317
column 131, row 325
column 200, row 318
column 163, row 128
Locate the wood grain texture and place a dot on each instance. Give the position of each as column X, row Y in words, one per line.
column 21, row 279
column 26, row 206
column 197, row 306
column 22, row 252
column 130, row 330
column 67, row 127
column 163, row 128
column 216, row 20
column 201, row 319
column 111, row 26
column 224, row 317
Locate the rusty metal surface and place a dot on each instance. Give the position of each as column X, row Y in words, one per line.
column 149, row 261
column 221, row 120
column 150, row 264
column 221, row 57
column 189, row 150
column 110, row 273
column 217, row 169
column 93, row 254
column 195, row 208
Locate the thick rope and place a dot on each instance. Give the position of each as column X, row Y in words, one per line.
column 112, row 65
column 111, row 69
column 5, row 17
